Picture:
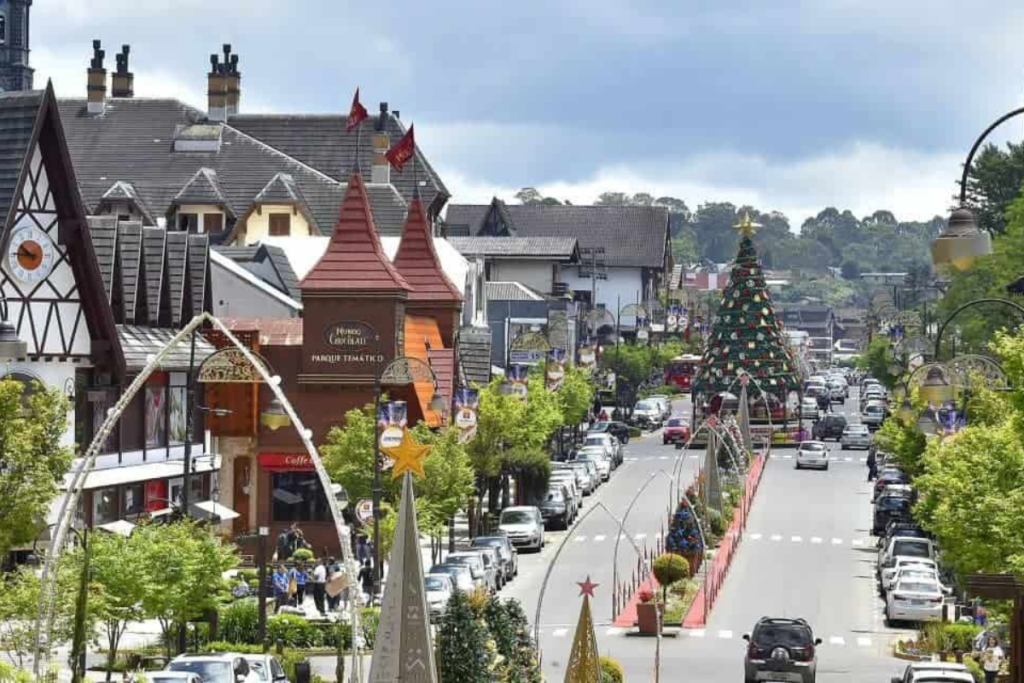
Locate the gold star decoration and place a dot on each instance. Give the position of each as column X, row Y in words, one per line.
column 747, row 227
column 408, row 456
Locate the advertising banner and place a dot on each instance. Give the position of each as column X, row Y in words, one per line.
column 517, row 377
column 554, row 369
column 392, row 421
column 467, row 401
column 588, row 357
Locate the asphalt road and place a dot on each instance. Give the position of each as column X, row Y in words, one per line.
column 807, row 552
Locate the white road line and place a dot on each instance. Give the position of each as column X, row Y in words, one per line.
column 815, row 539
column 694, row 457
column 622, row 537
column 696, row 633
column 863, row 641
column 580, row 539
column 863, row 460
column 796, row 539
column 857, row 542
column 614, row 631
column 640, row 537
column 755, row 537
column 725, row 635
column 662, row 457
column 848, row 459
column 837, row 541
column 787, row 457
column 599, row 538
column 836, row 640
column 776, row 537
column 560, row 632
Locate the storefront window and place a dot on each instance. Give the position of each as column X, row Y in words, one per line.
column 297, row 497
column 133, row 500
column 104, row 506
column 156, row 416
column 178, row 423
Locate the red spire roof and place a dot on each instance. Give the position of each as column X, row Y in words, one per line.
column 354, row 258
column 417, row 261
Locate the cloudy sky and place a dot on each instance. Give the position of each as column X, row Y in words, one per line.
column 788, row 105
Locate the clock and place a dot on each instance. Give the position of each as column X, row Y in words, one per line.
column 31, row 254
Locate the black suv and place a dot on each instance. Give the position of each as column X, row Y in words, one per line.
column 829, row 427
column 783, row 647
column 620, row 430
column 889, row 508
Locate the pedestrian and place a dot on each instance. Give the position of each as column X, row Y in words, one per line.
column 333, row 569
column 992, row 659
column 362, row 549
column 320, row 586
column 301, row 577
column 366, row 581
column 872, row 463
column 283, row 546
column 603, row 416
column 280, row 582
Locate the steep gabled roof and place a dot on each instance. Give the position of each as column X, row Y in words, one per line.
column 354, row 259
column 177, row 262
column 18, row 113
column 104, row 243
column 203, row 188
column 199, row 272
column 154, row 255
column 417, row 261
column 561, row 248
column 267, row 262
column 130, row 237
column 280, row 190
column 123, row 191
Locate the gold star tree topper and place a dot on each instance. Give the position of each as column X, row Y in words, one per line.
column 747, row 227
column 408, row 456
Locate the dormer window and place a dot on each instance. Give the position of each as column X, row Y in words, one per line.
column 188, row 222
column 280, row 224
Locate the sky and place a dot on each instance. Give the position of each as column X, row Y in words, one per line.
column 788, row 105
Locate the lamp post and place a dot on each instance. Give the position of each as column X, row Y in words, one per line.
column 78, row 650
column 11, row 346
column 402, row 371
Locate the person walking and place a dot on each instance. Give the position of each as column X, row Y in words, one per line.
column 301, row 577
column 320, row 586
column 992, row 658
column 362, row 550
column 333, row 568
column 280, row 583
column 872, row 463
column 366, row 581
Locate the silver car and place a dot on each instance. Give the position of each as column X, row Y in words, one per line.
column 589, row 480
column 439, row 589
column 460, row 575
column 856, row 436
column 506, row 552
column 484, row 575
column 524, row 526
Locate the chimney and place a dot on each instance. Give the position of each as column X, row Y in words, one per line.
column 216, row 90
column 123, row 81
column 232, row 81
column 96, row 85
column 381, row 173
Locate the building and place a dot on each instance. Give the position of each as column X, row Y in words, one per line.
column 535, row 262
column 819, row 324
column 94, row 297
column 15, row 72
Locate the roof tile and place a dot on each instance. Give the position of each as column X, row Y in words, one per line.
column 417, row 261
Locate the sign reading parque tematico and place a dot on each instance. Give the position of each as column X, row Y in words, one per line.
column 350, row 346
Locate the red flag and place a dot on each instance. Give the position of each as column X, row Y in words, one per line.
column 356, row 115
column 398, row 155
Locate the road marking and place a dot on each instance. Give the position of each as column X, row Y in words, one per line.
column 796, row 539
column 614, row 631
column 776, row 537
column 694, row 457
column 787, row 457
column 662, row 457
column 725, row 635
column 837, row 541
column 836, row 640
column 848, row 459
column 815, row 539
column 640, row 537
column 755, row 537
column 560, row 632
column 857, row 542
column 863, row 460
column 863, row 641
column 599, row 538
column 580, row 539
column 696, row 633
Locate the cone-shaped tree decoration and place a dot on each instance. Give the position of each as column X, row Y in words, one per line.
column 712, row 481
column 745, row 334
column 403, row 650
column 584, row 664
column 744, row 416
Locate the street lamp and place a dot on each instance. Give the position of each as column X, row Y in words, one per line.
column 275, row 416
column 11, row 346
column 936, row 389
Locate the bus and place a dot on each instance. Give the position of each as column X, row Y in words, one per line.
column 681, row 370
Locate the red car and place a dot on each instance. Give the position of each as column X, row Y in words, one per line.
column 677, row 430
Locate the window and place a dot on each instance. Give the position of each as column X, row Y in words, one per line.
column 188, row 222
column 124, row 217
column 104, row 506
column 156, row 416
column 213, row 222
column 297, row 498
column 280, row 224
column 133, row 499
column 178, row 417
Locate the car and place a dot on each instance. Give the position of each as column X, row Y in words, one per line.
column 915, row 569
column 554, row 507
column 508, row 555
column 855, row 436
column 484, row 574
column 225, row 667
column 438, row 589
column 904, row 547
column 665, row 402
column 873, row 415
column 593, row 471
column 173, row 677
column 524, row 526
column 267, row 668
column 620, row 430
column 570, row 477
column 584, row 471
column 607, row 442
column 809, row 408
column 492, row 563
column 461, row 576
column 905, row 564
column 829, row 427
column 648, row 414
column 888, row 477
column 917, row 600
column 600, row 460
column 901, row 527
column 934, row 672
column 836, row 392
column 812, row 454
column 781, row 650
column 677, row 431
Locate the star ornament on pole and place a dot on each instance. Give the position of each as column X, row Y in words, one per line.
column 744, row 379
column 408, row 456
column 747, row 227
column 587, row 587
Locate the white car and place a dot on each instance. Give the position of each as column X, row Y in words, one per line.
column 812, row 454
column 809, row 408
column 524, row 526
column 855, row 436
column 873, row 415
column 606, row 442
column 912, row 572
column 267, row 668
column 910, row 547
column 598, row 457
column 173, row 677
column 648, row 413
column 226, row 667
column 914, row 600
column 665, row 402
column 439, row 589
column 906, row 564
column 933, row 672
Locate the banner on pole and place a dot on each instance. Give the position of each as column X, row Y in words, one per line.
column 392, row 421
column 587, row 357
column 554, row 369
column 467, row 401
column 518, row 376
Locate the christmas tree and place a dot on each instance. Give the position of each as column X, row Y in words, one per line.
column 584, row 664
column 745, row 334
column 684, row 536
column 463, row 654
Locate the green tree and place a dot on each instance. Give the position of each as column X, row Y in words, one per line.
column 994, row 183
column 875, row 361
column 526, row 661
column 463, row 654
column 32, row 425
column 668, row 569
column 575, row 396
column 349, row 452
column 19, row 607
column 448, row 482
column 905, row 443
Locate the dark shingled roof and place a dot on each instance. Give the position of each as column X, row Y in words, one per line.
column 18, row 112
column 154, row 255
column 104, row 242
column 322, row 142
column 177, row 255
column 123, row 191
column 632, row 236
column 520, row 247
column 354, row 258
column 267, row 262
column 199, row 271
column 141, row 342
column 133, row 141
column 130, row 239
column 280, row 190
column 417, row 261
column 475, row 355
column 203, row 188
column 511, row 291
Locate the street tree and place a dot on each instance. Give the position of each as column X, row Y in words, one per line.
column 348, row 454
column 448, row 483
column 993, row 184
column 19, row 607
column 33, row 421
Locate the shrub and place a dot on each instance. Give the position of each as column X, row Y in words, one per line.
column 239, row 621
column 611, row 671
column 291, row 630
column 943, row 637
column 670, row 568
column 974, row 669
column 716, row 522
column 301, row 555
column 241, row 648
column 369, row 620
column 635, row 432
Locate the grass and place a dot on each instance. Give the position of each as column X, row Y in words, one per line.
column 680, row 597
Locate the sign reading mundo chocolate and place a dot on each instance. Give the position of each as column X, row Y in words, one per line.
column 355, row 341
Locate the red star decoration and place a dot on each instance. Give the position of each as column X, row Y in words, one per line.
column 744, row 379
column 587, row 587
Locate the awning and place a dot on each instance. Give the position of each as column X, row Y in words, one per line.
column 132, row 474
column 121, row 526
column 209, row 508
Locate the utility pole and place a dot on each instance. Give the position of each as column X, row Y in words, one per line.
column 186, row 488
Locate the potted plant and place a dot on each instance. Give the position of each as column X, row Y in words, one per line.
column 648, row 615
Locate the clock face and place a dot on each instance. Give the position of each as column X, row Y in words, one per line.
column 31, row 255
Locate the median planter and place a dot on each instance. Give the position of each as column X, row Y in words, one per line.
column 648, row 613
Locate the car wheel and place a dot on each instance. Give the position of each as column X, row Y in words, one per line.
column 826, row 467
column 798, row 466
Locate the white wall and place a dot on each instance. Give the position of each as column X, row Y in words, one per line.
column 52, row 375
column 623, row 286
column 536, row 274
column 257, row 225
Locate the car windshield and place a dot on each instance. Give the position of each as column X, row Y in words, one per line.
column 555, row 496
column 516, row 517
column 910, row 549
column 856, row 429
column 813, row 447
column 873, row 409
column 890, row 503
column 643, row 405
column 788, row 635
column 210, row 672
column 435, row 583
column 594, row 441
column 676, row 422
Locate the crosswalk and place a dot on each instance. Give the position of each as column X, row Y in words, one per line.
column 857, row 639
column 601, row 538
column 810, row 540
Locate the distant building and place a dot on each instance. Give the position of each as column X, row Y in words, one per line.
column 884, row 278
column 817, row 321
column 15, row 72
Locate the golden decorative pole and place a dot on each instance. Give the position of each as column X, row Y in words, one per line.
column 584, row 664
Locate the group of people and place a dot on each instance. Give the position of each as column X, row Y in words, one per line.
column 290, row 585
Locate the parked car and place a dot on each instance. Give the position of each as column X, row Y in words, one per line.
column 812, row 454
column 916, row 600
column 570, row 477
column 524, row 526
column 267, row 668
column 809, row 408
column 620, row 430
column 904, row 547
column 555, row 507
column 647, row 414
column 608, row 443
column 461, row 576
column 484, row 576
column 583, row 470
column 665, row 402
column 934, row 672
column 901, row 527
column 439, row 589
column 226, row 667
column 491, row 563
column 855, row 436
column 873, row 415
column 600, row 460
column 907, row 566
column 781, row 649
column 888, row 477
column 173, row 677
column 507, row 553
column 888, row 507
column 592, row 471
column 829, row 427
column 677, row 431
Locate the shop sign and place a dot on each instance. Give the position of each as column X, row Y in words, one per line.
column 286, row 462
column 354, row 342
column 364, row 511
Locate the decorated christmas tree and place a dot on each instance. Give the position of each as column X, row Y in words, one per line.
column 584, row 664
column 745, row 333
column 684, row 536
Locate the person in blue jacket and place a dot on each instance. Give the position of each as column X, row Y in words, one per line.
column 301, row 576
column 280, row 583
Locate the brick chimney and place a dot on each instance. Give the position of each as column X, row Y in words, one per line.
column 216, row 92
column 381, row 171
column 96, row 85
column 123, row 80
column 232, row 81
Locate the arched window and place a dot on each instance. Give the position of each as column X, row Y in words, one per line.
column 3, row 30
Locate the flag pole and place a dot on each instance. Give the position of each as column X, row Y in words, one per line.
column 415, row 181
